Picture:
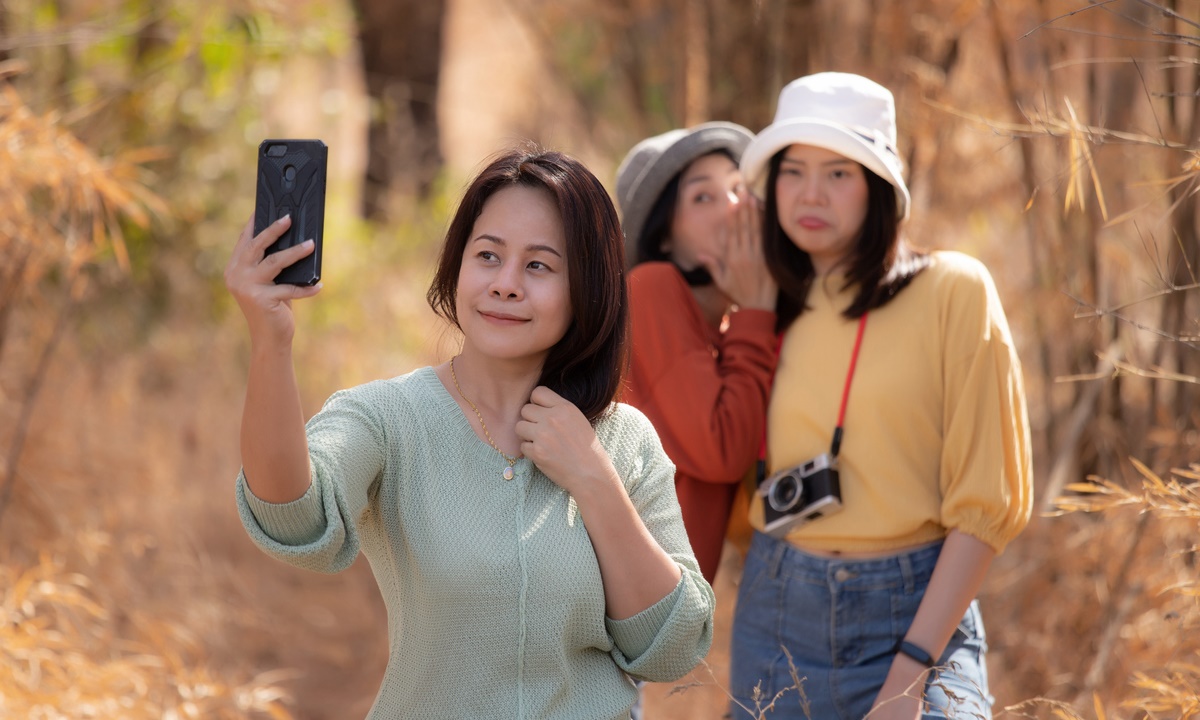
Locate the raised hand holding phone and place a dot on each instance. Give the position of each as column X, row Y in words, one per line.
column 250, row 278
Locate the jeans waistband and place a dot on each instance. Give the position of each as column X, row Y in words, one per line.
column 781, row 556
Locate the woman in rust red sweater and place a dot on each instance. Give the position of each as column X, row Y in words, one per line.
column 703, row 311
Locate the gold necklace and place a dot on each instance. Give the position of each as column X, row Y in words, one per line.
column 508, row 471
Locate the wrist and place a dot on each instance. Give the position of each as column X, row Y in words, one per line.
column 915, row 653
column 270, row 345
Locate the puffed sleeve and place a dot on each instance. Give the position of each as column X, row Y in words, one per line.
column 666, row 640
column 986, row 469
column 318, row 531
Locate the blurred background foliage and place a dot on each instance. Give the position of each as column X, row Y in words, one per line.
column 1057, row 140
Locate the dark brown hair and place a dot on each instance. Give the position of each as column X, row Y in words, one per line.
column 881, row 264
column 585, row 366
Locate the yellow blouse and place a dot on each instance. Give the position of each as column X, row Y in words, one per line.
column 936, row 435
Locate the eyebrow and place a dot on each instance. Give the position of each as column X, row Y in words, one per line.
column 534, row 247
column 798, row 161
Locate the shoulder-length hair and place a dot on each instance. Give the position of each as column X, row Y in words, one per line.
column 586, row 365
column 881, row 264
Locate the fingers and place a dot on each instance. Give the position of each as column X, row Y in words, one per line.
column 270, row 234
column 250, row 248
column 275, row 262
column 746, row 220
column 754, row 221
column 252, row 273
column 545, row 397
column 716, row 268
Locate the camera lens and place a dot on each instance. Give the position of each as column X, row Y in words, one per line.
column 785, row 493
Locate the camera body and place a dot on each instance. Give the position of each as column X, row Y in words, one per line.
column 800, row 494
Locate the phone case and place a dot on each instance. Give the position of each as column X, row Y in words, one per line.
column 291, row 179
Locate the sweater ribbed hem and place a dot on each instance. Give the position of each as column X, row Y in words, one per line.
column 299, row 522
column 635, row 634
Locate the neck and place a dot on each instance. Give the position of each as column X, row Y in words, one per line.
column 713, row 303
column 497, row 386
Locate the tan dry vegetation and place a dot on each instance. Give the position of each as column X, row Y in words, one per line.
column 125, row 576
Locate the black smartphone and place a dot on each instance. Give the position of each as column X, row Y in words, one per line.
column 291, row 181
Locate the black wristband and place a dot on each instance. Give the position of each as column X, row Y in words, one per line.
column 915, row 652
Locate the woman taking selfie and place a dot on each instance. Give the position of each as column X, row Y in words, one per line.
column 897, row 435
column 703, row 309
column 522, row 528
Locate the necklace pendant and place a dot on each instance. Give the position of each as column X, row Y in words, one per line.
column 508, row 473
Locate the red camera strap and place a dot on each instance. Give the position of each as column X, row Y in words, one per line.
column 837, row 431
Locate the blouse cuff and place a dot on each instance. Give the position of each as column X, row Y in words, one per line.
column 753, row 320
column 299, row 522
column 634, row 635
column 986, row 532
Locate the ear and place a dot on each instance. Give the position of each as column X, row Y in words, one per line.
column 666, row 246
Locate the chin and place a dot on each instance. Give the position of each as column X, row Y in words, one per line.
column 511, row 351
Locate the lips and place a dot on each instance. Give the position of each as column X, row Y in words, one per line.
column 503, row 318
column 808, row 222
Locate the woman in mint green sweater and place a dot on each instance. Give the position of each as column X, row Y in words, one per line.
column 523, row 527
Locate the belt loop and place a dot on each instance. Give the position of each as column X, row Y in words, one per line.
column 906, row 570
column 776, row 562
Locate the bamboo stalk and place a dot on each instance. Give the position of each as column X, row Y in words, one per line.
column 1120, row 605
column 1063, row 468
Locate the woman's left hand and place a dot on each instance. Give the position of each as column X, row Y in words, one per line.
column 557, row 438
column 900, row 697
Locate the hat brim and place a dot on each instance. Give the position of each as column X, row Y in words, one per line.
column 830, row 136
column 698, row 142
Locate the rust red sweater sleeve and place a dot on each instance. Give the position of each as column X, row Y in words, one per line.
column 705, row 392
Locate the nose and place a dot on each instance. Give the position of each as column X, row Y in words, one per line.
column 506, row 282
column 811, row 190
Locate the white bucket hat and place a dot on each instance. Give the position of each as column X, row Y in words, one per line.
column 845, row 113
column 650, row 165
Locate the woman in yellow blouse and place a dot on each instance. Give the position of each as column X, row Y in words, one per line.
column 898, row 440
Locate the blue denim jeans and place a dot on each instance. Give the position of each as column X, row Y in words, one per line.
column 841, row 621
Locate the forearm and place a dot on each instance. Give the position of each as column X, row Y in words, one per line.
column 957, row 577
column 273, row 443
column 636, row 571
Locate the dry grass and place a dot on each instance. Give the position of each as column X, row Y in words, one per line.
column 72, row 644
column 64, row 655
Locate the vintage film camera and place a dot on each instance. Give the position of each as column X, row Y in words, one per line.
column 800, row 494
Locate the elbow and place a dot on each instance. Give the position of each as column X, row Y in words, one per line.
column 681, row 660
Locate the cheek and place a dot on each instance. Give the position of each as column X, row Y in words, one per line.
column 784, row 193
column 859, row 206
column 690, row 229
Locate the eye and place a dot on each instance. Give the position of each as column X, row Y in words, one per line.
column 487, row 256
column 537, row 265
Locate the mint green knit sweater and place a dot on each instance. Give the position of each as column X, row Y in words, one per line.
column 494, row 598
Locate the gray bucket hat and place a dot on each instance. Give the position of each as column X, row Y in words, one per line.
column 650, row 165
